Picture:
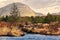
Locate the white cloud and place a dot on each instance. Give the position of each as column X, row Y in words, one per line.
column 6, row 2
column 2, row 0
column 44, row 6
column 54, row 9
column 40, row 3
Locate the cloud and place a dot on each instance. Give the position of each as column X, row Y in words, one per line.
column 44, row 6
column 36, row 4
column 40, row 3
column 2, row 0
column 6, row 2
column 54, row 9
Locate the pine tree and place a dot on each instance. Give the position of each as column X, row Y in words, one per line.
column 15, row 14
column 48, row 18
column 15, row 11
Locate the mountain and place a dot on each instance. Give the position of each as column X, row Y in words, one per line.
column 23, row 9
column 55, row 13
column 39, row 14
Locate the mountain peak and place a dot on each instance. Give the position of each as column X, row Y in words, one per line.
column 23, row 9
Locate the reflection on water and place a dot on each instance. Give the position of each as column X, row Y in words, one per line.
column 32, row 37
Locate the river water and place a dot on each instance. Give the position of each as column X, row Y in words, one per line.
column 32, row 37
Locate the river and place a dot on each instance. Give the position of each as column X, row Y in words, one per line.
column 32, row 37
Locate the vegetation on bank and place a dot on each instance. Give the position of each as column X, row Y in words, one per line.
column 37, row 19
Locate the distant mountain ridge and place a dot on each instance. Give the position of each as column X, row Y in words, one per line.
column 39, row 14
column 55, row 13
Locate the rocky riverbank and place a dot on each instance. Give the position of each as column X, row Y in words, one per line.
column 45, row 29
column 4, row 31
column 7, row 29
column 10, row 29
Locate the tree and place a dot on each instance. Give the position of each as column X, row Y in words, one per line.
column 5, row 18
column 48, row 18
column 39, row 19
column 32, row 19
column 58, row 18
column 15, row 14
column 15, row 11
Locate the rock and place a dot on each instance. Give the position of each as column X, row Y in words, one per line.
column 17, row 32
column 44, row 25
column 4, row 30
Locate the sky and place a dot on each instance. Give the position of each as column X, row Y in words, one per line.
column 41, row 6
